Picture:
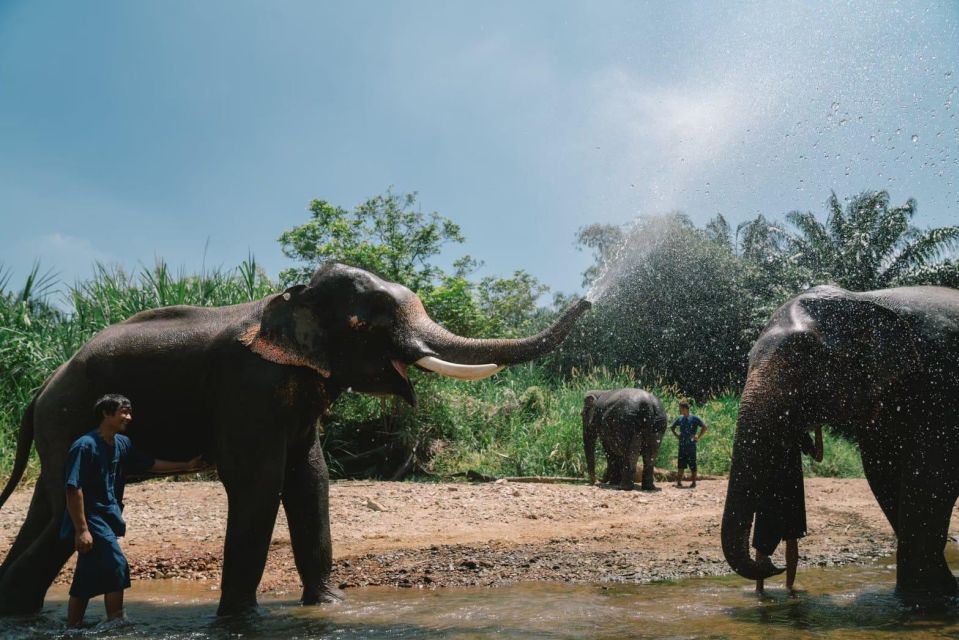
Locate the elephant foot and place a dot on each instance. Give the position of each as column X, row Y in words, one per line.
column 926, row 596
column 651, row 487
column 237, row 607
column 322, row 595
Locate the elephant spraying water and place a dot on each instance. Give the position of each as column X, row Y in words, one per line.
column 244, row 386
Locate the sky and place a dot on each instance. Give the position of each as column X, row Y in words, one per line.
column 198, row 132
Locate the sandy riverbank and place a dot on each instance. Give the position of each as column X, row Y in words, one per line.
column 425, row 534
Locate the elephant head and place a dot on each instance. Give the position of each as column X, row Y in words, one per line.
column 826, row 356
column 362, row 333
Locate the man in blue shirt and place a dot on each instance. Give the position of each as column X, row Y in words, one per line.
column 687, row 441
column 96, row 464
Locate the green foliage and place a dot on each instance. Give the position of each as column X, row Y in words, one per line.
column 525, row 421
column 386, row 235
column 390, row 237
column 676, row 304
column 868, row 245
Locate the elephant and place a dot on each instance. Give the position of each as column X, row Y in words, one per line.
column 883, row 366
column 629, row 423
column 244, row 386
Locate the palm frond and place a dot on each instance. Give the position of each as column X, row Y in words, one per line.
column 924, row 248
column 944, row 274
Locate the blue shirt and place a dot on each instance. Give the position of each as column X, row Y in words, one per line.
column 97, row 469
column 687, row 429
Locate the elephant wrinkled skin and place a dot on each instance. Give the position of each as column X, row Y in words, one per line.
column 244, row 386
column 884, row 365
column 629, row 423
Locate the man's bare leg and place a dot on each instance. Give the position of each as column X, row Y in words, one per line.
column 693, row 483
column 114, row 605
column 679, row 476
column 792, row 562
column 76, row 607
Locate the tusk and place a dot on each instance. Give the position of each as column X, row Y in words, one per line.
column 458, row 371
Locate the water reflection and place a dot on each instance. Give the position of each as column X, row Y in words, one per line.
column 848, row 602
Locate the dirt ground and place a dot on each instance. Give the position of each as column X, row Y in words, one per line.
column 427, row 535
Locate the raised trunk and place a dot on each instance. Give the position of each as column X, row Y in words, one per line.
column 459, row 350
column 748, row 476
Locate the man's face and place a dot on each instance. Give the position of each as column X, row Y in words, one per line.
column 684, row 411
column 120, row 419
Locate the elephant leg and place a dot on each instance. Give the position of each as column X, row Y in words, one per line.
column 306, row 500
column 649, row 480
column 37, row 555
column 38, row 516
column 920, row 552
column 928, row 490
column 253, row 482
column 628, row 462
column 612, row 450
column 883, row 474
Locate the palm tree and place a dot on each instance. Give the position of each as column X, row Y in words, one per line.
column 871, row 245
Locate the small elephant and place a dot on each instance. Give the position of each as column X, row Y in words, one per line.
column 629, row 423
column 244, row 386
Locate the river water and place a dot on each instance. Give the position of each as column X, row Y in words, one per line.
column 839, row 602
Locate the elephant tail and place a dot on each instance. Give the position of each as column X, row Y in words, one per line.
column 24, row 442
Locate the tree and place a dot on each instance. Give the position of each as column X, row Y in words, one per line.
column 606, row 241
column 871, row 245
column 676, row 308
column 385, row 235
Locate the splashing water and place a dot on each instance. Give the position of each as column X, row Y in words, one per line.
column 841, row 602
column 640, row 238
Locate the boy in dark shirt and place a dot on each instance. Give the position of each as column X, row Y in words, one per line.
column 781, row 514
column 687, row 441
column 94, row 486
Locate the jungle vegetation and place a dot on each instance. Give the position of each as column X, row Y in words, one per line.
column 679, row 307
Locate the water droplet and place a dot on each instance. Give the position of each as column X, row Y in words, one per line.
column 835, row 106
column 915, row 138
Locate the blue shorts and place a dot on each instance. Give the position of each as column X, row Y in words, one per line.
column 687, row 458
column 102, row 569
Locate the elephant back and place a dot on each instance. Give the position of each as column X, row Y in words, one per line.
column 636, row 408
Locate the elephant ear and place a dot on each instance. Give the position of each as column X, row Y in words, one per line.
column 290, row 333
column 873, row 347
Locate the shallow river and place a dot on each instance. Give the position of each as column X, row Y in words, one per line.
column 843, row 602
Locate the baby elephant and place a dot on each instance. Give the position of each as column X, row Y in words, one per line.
column 629, row 423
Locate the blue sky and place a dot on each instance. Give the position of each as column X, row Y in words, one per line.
column 131, row 130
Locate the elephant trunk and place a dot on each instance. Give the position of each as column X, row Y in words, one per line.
column 748, row 476
column 470, row 351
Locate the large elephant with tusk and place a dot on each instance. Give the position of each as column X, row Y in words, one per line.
column 243, row 386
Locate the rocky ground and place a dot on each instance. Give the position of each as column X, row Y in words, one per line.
column 439, row 534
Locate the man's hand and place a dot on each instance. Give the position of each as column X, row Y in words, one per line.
column 83, row 541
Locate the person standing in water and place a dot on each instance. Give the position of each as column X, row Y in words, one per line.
column 781, row 514
column 94, row 482
column 687, row 424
